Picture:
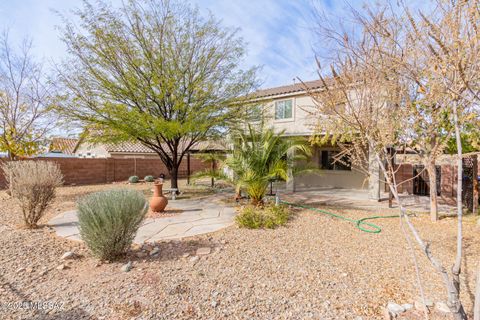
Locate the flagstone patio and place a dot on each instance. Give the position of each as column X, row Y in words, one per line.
column 195, row 217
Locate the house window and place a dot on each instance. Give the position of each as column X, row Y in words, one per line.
column 327, row 161
column 283, row 109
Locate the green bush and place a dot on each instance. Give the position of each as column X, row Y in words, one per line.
column 149, row 179
column 269, row 217
column 133, row 179
column 109, row 221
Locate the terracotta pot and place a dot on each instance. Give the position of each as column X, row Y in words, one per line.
column 158, row 201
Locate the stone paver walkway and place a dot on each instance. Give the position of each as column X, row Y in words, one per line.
column 196, row 217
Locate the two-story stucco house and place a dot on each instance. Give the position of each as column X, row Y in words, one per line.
column 288, row 109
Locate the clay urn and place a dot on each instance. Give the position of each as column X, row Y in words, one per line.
column 158, row 201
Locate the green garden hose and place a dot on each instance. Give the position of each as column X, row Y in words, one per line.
column 359, row 224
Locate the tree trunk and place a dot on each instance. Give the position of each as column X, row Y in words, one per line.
column 432, row 177
column 454, row 302
column 174, row 168
column 213, row 172
column 452, row 285
column 174, row 177
column 475, row 185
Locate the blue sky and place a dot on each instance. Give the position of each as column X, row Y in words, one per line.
column 278, row 32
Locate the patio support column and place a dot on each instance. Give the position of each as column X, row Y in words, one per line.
column 373, row 177
column 290, row 186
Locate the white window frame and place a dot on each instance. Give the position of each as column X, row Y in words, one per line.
column 292, row 101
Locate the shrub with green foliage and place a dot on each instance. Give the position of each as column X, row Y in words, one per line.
column 109, row 221
column 133, row 179
column 270, row 217
column 149, row 179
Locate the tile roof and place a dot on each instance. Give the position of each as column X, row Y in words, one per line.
column 63, row 145
column 127, row 147
column 294, row 88
column 137, row 147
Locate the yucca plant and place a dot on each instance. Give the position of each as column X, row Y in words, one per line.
column 260, row 156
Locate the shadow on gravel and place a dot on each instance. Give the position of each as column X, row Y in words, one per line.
column 169, row 250
column 41, row 314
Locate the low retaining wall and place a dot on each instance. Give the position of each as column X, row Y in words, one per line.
column 97, row 171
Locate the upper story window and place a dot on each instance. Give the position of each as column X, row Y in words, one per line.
column 328, row 161
column 283, row 109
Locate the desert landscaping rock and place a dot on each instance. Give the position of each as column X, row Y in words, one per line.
column 395, row 309
column 203, row 251
column 194, row 259
column 68, row 255
column 420, row 306
column 154, row 251
column 292, row 272
column 442, row 307
column 62, row 267
column 407, row 306
column 141, row 254
column 127, row 267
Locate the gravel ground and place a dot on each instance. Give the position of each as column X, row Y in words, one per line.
column 316, row 267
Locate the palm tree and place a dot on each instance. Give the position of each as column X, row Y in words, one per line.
column 214, row 160
column 260, row 156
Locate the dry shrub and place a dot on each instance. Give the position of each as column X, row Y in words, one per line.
column 269, row 217
column 33, row 184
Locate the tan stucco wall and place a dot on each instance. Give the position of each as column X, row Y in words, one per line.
column 96, row 151
column 301, row 122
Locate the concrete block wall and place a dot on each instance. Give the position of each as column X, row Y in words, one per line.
column 96, row 171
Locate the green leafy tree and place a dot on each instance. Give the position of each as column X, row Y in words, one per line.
column 470, row 136
column 260, row 156
column 155, row 72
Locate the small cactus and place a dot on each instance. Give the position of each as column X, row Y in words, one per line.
column 133, row 179
column 149, row 179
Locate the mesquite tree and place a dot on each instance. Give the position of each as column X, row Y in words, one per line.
column 369, row 102
column 155, row 72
